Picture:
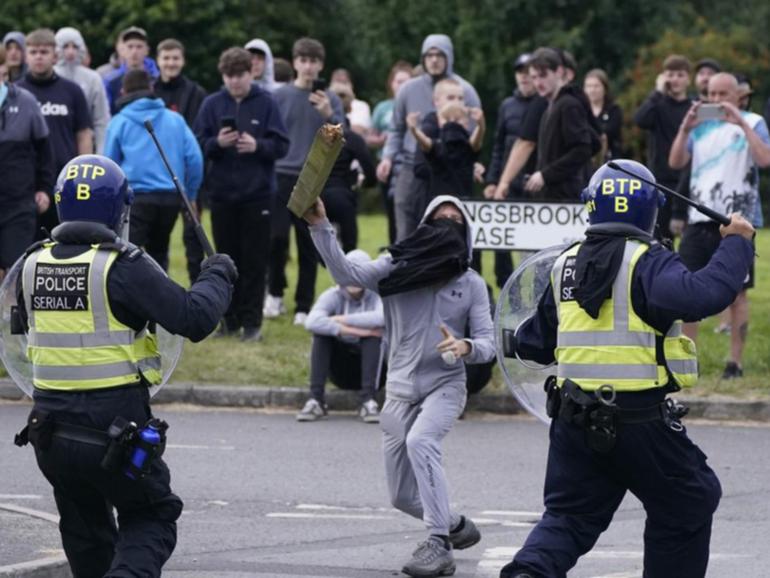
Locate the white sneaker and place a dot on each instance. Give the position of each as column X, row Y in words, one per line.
column 313, row 411
column 300, row 318
column 273, row 307
column 369, row 412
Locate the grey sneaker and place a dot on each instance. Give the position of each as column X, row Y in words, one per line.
column 313, row 411
column 468, row 535
column 369, row 412
column 251, row 334
column 431, row 559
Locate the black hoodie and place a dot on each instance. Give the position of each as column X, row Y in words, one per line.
column 564, row 145
column 181, row 95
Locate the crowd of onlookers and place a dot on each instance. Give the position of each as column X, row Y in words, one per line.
column 238, row 151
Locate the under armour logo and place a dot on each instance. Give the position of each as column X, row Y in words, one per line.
column 458, row 294
column 13, row 109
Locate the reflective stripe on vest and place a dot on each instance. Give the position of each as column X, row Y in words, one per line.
column 681, row 356
column 617, row 348
column 83, row 347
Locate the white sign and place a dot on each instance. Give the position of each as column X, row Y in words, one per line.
column 525, row 226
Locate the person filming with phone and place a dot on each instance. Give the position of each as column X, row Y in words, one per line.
column 727, row 147
column 242, row 134
column 305, row 105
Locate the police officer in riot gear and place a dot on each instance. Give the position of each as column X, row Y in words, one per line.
column 611, row 317
column 90, row 302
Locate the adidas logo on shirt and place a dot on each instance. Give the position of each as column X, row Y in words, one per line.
column 53, row 109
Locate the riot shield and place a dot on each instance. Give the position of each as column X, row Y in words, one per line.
column 13, row 339
column 518, row 302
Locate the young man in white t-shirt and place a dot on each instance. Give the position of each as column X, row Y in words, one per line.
column 726, row 157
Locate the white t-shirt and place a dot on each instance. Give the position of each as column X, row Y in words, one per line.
column 360, row 114
column 724, row 175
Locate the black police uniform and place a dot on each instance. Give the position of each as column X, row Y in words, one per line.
column 139, row 292
column 654, row 459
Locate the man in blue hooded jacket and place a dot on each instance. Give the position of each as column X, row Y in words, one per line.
column 129, row 144
column 133, row 50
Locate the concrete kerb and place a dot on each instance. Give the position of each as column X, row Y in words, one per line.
column 711, row 407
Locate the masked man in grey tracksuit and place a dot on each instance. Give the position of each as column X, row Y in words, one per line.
column 429, row 295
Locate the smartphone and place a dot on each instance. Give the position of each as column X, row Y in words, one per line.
column 228, row 122
column 710, row 112
column 319, row 84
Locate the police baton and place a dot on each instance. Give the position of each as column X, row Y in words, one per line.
column 199, row 232
column 710, row 213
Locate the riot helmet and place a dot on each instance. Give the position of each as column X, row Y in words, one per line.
column 613, row 196
column 93, row 188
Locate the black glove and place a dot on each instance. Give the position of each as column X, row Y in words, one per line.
column 224, row 263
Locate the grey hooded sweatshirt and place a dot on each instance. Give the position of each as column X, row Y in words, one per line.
column 88, row 80
column 268, row 76
column 416, row 95
column 20, row 39
column 413, row 318
column 365, row 312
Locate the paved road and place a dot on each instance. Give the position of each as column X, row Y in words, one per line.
column 266, row 496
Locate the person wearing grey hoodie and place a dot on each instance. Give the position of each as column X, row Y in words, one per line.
column 71, row 51
column 261, row 63
column 15, row 43
column 429, row 295
column 437, row 59
column 346, row 323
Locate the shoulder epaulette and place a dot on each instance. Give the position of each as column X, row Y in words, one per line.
column 125, row 249
column 36, row 246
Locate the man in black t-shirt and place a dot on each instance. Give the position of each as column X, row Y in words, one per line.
column 660, row 115
column 63, row 105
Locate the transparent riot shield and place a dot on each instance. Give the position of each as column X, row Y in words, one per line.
column 518, row 302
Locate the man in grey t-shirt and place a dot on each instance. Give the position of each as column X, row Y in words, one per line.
column 305, row 106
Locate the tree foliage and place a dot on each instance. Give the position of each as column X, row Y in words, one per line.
column 629, row 40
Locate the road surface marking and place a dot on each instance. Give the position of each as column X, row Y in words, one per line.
column 29, row 512
column 306, row 515
column 197, row 447
column 494, row 559
column 19, row 497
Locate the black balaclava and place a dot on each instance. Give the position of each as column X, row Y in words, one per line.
column 434, row 253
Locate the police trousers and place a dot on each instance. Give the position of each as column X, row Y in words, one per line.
column 85, row 494
column 411, row 436
column 661, row 466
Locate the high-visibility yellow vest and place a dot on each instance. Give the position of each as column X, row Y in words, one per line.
column 618, row 348
column 74, row 340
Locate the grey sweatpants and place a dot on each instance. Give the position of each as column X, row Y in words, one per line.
column 410, row 198
column 412, row 434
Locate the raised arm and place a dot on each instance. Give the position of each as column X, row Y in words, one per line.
column 679, row 155
column 343, row 271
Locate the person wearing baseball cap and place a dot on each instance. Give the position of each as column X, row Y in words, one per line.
column 133, row 50
column 704, row 70
column 510, row 120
